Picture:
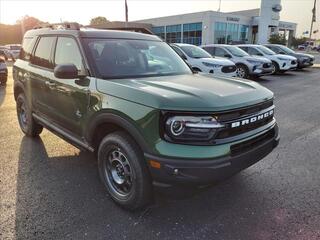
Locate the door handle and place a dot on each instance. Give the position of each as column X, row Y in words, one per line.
column 50, row 84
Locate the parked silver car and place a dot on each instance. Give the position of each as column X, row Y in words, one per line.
column 246, row 65
column 14, row 50
column 281, row 63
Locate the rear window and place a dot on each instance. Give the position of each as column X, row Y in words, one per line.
column 42, row 54
column 26, row 50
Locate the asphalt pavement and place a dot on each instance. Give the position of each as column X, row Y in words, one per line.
column 51, row 190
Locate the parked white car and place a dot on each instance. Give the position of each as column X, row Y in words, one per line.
column 14, row 50
column 202, row 61
column 281, row 63
column 247, row 66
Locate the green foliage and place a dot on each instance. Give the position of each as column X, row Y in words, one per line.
column 98, row 21
column 298, row 41
column 11, row 34
column 277, row 39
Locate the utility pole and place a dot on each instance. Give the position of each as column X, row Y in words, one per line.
column 126, row 13
column 219, row 9
column 313, row 18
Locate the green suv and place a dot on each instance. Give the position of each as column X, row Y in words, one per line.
column 133, row 101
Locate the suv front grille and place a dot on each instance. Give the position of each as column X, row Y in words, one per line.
column 243, row 118
column 228, row 69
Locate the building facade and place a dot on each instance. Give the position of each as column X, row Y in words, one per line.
column 225, row 28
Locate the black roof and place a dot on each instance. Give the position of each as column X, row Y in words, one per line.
column 92, row 33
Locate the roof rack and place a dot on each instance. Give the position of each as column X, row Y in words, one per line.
column 56, row 26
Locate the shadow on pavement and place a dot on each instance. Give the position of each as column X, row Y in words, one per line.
column 61, row 197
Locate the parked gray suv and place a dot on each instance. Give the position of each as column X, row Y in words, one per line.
column 304, row 60
column 246, row 65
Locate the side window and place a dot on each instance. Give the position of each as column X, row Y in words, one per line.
column 253, row 51
column 181, row 54
column 26, row 49
column 43, row 52
column 220, row 52
column 209, row 50
column 67, row 52
column 244, row 49
column 275, row 49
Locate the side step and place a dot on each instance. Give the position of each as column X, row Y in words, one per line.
column 66, row 135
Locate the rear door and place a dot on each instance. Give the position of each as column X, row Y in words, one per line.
column 40, row 71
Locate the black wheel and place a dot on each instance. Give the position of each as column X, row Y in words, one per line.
column 242, row 71
column 276, row 68
column 26, row 121
column 124, row 172
column 3, row 81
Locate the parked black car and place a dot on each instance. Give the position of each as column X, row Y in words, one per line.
column 3, row 72
column 304, row 60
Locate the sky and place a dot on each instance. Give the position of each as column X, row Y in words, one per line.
column 82, row 11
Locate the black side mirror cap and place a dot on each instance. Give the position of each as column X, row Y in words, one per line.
column 227, row 56
column 66, row 71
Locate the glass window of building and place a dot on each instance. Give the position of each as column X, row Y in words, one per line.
column 159, row 31
column 244, row 32
column 192, row 33
column 173, row 34
column 232, row 32
column 220, row 30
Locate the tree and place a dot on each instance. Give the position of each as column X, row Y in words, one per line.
column 28, row 22
column 98, row 21
column 298, row 41
column 277, row 39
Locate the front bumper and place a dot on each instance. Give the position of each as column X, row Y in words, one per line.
column 262, row 71
column 206, row 171
column 305, row 63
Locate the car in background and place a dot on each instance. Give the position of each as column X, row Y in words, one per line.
column 304, row 60
column 281, row 63
column 247, row 66
column 202, row 61
column 4, row 53
column 3, row 72
column 14, row 50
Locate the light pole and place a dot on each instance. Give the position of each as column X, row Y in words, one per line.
column 313, row 18
column 219, row 9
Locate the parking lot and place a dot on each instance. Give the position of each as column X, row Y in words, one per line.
column 51, row 190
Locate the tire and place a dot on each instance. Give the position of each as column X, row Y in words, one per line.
column 27, row 124
column 275, row 67
column 3, row 81
column 124, row 172
column 242, row 71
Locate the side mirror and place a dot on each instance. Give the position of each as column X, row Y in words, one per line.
column 66, row 71
column 227, row 56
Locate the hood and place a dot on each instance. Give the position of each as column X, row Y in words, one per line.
column 261, row 59
column 220, row 61
column 301, row 55
column 284, row 56
column 190, row 92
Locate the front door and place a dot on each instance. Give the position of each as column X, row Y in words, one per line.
column 71, row 96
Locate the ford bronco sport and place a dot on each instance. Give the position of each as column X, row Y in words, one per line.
column 130, row 98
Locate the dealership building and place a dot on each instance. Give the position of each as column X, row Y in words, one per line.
column 249, row 26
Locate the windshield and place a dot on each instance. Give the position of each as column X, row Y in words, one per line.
column 195, row 52
column 123, row 58
column 236, row 51
column 286, row 49
column 266, row 50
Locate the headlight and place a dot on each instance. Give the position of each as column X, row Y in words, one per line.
column 254, row 62
column 283, row 59
column 211, row 65
column 195, row 129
